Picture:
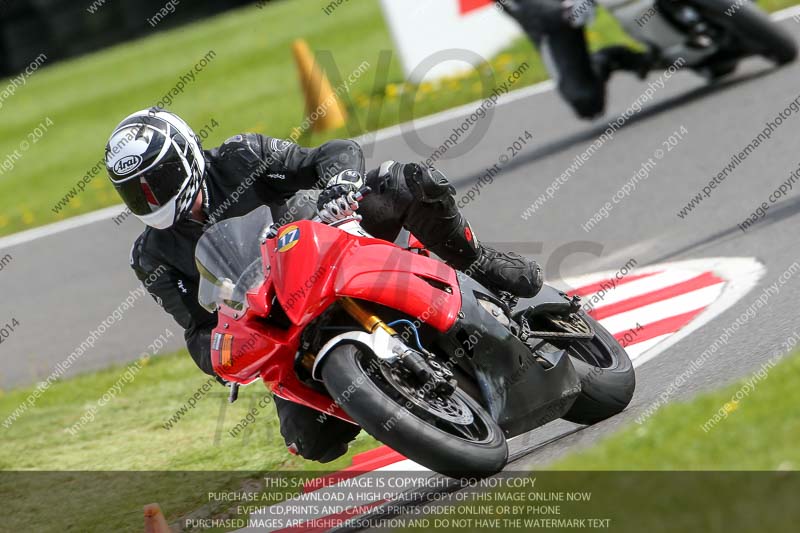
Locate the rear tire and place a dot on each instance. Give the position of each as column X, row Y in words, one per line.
column 758, row 33
column 388, row 419
column 607, row 377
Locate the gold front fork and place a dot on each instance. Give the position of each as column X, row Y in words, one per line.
column 368, row 321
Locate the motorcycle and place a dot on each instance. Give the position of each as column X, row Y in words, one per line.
column 709, row 36
column 421, row 356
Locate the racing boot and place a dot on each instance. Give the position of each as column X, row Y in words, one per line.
column 435, row 220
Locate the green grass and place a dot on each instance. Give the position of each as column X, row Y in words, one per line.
column 251, row 85
column 760, row 432
column 127, row 435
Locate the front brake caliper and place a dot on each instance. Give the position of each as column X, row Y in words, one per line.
column 429, row 372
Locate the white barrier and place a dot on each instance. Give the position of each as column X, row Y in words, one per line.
column 438, row 38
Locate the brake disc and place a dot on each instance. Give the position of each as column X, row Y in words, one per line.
column 450, row 409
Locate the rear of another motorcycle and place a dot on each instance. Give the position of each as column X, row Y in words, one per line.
column 709, row 36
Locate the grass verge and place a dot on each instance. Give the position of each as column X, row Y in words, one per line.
column 98, row 477
column 712, row 432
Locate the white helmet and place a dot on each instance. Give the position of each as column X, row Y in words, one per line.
column 156, row 163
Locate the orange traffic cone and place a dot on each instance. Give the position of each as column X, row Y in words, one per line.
column 323, row 108
column 154, row 521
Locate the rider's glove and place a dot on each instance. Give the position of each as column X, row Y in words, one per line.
column 339, row 199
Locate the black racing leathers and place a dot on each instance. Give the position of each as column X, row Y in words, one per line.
column 246, row 172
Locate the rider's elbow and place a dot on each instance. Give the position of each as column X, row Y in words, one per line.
column 348, row 154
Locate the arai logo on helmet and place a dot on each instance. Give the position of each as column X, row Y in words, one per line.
column 127, row 164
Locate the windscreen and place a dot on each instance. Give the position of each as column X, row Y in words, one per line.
column 228, row 257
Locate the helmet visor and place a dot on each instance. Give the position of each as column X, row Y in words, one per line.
column 151, row 190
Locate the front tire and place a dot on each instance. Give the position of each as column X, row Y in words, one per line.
column 607, row 377
column 353, row 378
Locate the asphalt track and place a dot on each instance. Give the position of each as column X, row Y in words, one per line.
column 61, row 286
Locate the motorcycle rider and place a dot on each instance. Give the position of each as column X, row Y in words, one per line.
column 158, row 167
column 556, row 27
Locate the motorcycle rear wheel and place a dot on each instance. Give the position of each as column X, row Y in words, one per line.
column 459, row 439
column 606, row 373
column 759, row 34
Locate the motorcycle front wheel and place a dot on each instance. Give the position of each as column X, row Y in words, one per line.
column 451, row 435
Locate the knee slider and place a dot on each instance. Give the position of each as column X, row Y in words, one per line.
column 428, row 185
column 333, row 453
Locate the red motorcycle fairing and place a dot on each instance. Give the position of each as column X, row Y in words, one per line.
column 307, row 255
column 311, row 265
column 245, row 347
column 396, row 278
column 303, row 258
